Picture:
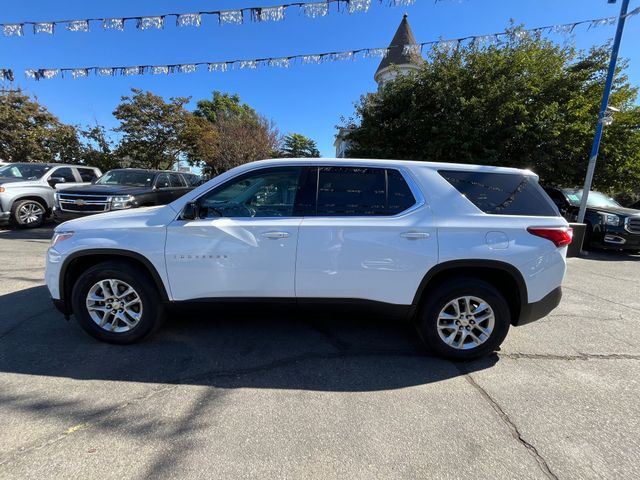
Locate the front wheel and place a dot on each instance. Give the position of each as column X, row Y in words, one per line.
column 115, row 303
column 463, row 319
column 28, row 213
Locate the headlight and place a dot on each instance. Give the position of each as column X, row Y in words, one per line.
column 60, row 237
column 610, row 219
column 56, row 199
column 124, row 201
column 1, row 189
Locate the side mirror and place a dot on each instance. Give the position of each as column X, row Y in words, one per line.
column 191, row 211
column 53, row 181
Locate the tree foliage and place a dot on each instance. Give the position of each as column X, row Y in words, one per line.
column 526, row 103
column 242, row 135
column 296, row 145
column 151, row 129
column 30, row 133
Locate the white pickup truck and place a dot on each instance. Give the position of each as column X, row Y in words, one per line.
column 27, row 189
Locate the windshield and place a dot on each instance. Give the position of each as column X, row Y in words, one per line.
column 595, row 200
column 26, row 171
column 134, row 178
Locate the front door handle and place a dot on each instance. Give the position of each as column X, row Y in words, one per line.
column 275, row 235
column 415, row 235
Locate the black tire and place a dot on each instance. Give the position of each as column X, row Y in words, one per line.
column 20, row 205
column 427, row 318
column 139, row 280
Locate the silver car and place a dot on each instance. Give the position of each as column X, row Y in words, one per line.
column 27, row 189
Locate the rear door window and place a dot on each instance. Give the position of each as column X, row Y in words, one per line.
column 87, row 174
column 360, row 192
column 351, row 191
column 502, row 193
column 176, row 180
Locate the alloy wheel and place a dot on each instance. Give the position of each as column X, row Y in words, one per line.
column 114, row 305
column 466, row 322
column 30, row 213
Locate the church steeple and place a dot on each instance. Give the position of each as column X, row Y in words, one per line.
column 397, row 60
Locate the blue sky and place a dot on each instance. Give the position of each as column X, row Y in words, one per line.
column 309, row 99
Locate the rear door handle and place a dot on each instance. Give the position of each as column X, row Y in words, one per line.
column 415, row 235
column 275, row 235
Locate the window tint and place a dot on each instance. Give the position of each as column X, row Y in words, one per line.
column 267, row 193
column 351, row 191
column 502, row 193
column 361, row 191
column 65, row 173
column 176, row 180
column 87, row 174
column 162, row 181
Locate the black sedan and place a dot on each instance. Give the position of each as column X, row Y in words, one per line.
column 609, row 224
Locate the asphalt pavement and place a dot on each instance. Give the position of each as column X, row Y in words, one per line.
column 287, row 395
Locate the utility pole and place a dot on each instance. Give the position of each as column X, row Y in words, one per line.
column 603, row 109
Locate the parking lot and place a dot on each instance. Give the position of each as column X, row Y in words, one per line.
column 269, row 395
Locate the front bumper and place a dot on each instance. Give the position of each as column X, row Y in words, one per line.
column 62, row 216
column 615, row 238
column 5, row 218
column 540, row 309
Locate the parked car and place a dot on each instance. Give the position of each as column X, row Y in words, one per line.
column 463, row 251
column 609, row 224
column 27, row 189
column 121, row 189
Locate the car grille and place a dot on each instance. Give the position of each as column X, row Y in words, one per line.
column 71, row 202
column 632, row 224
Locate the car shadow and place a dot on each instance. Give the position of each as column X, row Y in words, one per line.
column 284, row 349
column 41, row 233
column 609, row 256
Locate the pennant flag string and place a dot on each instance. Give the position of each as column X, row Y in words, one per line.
column 315, row 58
column 275, row 13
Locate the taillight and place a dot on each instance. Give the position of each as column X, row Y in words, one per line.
column 560, row 236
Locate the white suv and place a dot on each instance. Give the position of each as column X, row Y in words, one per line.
column 462, row 251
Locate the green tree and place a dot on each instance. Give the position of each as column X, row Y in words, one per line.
column 30, row 133
column 526, row 103
column 97, row 149
column 223, row 105
column 296, row 145
column 153, row 129
column 241, row 134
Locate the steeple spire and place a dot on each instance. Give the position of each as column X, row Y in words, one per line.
column 404, row 61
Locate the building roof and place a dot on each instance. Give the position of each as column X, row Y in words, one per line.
column 397, row 56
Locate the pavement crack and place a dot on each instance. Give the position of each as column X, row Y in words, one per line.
column 601, row 298
column 577, row 356
column 513, row 429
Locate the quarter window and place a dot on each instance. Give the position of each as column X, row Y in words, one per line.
column 267, row 193
column 502, row 193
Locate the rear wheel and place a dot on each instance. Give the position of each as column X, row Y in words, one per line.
column 115, row 303
column 463, row 319
column 28, row 213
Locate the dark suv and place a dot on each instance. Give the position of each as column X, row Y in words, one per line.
column 609, row 224
column 121, row 189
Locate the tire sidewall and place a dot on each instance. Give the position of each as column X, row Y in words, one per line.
column 16, row 219
column 426, row 322
column 138, row 280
